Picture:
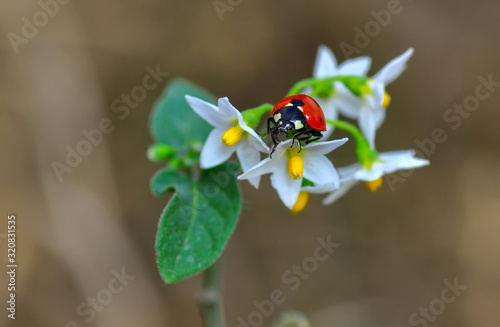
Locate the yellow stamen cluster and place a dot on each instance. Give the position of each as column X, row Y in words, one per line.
column 372, row 186
column 301, row 202
column 387, row 100
column 295, row 167
column 232, row 135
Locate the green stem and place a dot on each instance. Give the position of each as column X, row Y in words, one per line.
column 252, row 116
column 209, row 298
column 313, row 82
column 345, row 126
column 300, row 85
column 366, row 156
column 319, row 85
column 264, row 108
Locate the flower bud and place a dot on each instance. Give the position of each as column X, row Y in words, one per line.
column 159, row 152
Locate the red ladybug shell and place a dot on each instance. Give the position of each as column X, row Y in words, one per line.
column 311, row 110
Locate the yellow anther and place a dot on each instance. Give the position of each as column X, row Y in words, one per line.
column 301, row 202
column 232, row 136
column 387, row 100
column 372, row 186
column 295, row 167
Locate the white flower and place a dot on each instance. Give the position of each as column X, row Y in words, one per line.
column 326, row 66
column 371, row 110
column 387, row 163
column 231, row 134
column 289, row 166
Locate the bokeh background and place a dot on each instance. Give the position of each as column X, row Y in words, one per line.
column 397, row 247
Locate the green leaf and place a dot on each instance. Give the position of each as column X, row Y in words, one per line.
column 197, row 222
column 173, row 122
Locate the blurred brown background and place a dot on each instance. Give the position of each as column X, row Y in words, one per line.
column 397, row 248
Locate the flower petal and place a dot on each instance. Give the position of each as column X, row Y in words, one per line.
column 331, row 112
column 379, row 117
column 346, row 101
column 378, row 94
column 341, row 191
column 257, row 143
column 394, row 161
column 248, row 157
column 282, row 147
column 320, row 170
column 376, row 171
column 253, row 137
column 208, row 111
column 288, row 189
column 394, row 68
column 227, row 109
column 347, row 172
column 322, row 148
column 357, row 66
column 320, row 189
column 368, row 125
column 214, row 152
column 392, row 155
column 266, row 166
column 326, row 63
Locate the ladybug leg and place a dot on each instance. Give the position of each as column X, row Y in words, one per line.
column 307, row 136
column 274, row 136
column 317, row 135
column 269, row 121
column 272, row 151
column 312, row 139
column 273, row 131
column 297, row 136
column 275, row 143
column 300, row 136
column 300, row 144
column 275, row 139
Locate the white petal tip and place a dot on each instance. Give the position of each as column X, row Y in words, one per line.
column 206, row 166
column 255, row 184
column 423, row 162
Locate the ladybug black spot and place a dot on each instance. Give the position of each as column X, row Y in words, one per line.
column 297, row 103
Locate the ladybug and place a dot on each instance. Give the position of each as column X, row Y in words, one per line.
column 299, row 114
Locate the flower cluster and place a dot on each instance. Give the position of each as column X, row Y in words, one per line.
column 299, row 169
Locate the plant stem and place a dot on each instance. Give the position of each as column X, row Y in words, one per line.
column 209, row 298
column 300, row 85
column 366, row 156
column 252, row 116
column 318, row 84
column 353, row 130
